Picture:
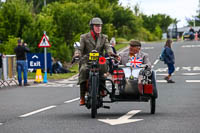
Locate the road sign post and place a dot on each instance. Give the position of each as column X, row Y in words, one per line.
column 45, row 43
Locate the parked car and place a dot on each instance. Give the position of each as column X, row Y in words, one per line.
column 188, row 35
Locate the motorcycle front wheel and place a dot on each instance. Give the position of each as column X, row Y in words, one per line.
column 94, row 88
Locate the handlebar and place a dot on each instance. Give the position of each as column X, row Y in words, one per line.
column 128, row 65
column 115, row 61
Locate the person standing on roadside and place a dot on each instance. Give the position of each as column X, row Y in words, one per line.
column 169, row 59
column 1, row 56
column 22, row 65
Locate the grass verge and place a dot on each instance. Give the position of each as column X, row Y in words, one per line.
column 57, row 76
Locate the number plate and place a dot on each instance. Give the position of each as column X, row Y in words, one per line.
column 93, row 56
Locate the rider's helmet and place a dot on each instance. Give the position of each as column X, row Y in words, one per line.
column 95, row 21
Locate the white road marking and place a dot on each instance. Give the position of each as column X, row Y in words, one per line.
column 69, row 101
column 190, row 46
column 37, row 111
column 196, row 68
column 187, row 68
column 190, row 74
column 177, row 68
column 161, row 81
column 156, row 61
column 147, row 47
column 1, row 124
column 162, row 74
column 70, row 85
column 192, row 81
column 123, row 119
column 162, row 69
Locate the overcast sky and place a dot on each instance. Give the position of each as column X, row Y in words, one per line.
column 179, row 9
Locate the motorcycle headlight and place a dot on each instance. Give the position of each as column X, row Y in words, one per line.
column 147, row 72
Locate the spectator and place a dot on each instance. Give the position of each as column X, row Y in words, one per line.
column 58, row 68
column 1, row 66
column 112, row 43
column 169, row 59
column 22, row 65
column 191, row 30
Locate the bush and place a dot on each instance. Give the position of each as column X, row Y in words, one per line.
column 63, row 53
column 10, row 45
column 120, row 40
column 144, row 35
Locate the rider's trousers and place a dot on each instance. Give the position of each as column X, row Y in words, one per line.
column 83, row 89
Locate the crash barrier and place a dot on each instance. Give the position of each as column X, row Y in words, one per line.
column 8, row 74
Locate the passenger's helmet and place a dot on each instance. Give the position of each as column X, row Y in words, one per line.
column 95, row 20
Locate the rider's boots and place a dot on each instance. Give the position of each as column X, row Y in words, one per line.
column 82, row 93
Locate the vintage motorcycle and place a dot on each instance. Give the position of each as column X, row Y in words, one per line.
column 127, row 84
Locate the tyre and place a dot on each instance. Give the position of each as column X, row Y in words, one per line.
column 94, row 96
column 153, row 105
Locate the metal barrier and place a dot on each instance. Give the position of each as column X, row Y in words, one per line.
column 8, row 77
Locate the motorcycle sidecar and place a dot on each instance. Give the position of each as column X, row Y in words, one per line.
column 137, row 85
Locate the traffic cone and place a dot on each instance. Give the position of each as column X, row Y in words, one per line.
column 196, row 36
column 38, row 77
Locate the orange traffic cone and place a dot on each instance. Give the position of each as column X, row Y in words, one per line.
column 38, row 77
column 196, row 36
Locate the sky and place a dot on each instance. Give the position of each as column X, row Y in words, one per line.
column 180, row 9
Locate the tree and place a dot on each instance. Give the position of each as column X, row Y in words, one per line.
column 161, row 20
column 125, row 21
column 14, row 16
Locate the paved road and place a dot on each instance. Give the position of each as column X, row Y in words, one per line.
column 53, row 107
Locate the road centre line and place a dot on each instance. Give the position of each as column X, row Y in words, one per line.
column 37, row 111
column 192, row 81
column 69, row 101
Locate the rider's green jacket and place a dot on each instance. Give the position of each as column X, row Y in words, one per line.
column 87, row 44
column 125, row 58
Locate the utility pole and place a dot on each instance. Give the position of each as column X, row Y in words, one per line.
column 45, row 3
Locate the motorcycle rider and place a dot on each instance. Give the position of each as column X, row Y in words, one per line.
column 134, row 51
column 88, row 42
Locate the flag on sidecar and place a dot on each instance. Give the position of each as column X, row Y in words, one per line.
column 136, row 62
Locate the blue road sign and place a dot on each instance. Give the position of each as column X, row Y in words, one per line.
column 36, row 60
